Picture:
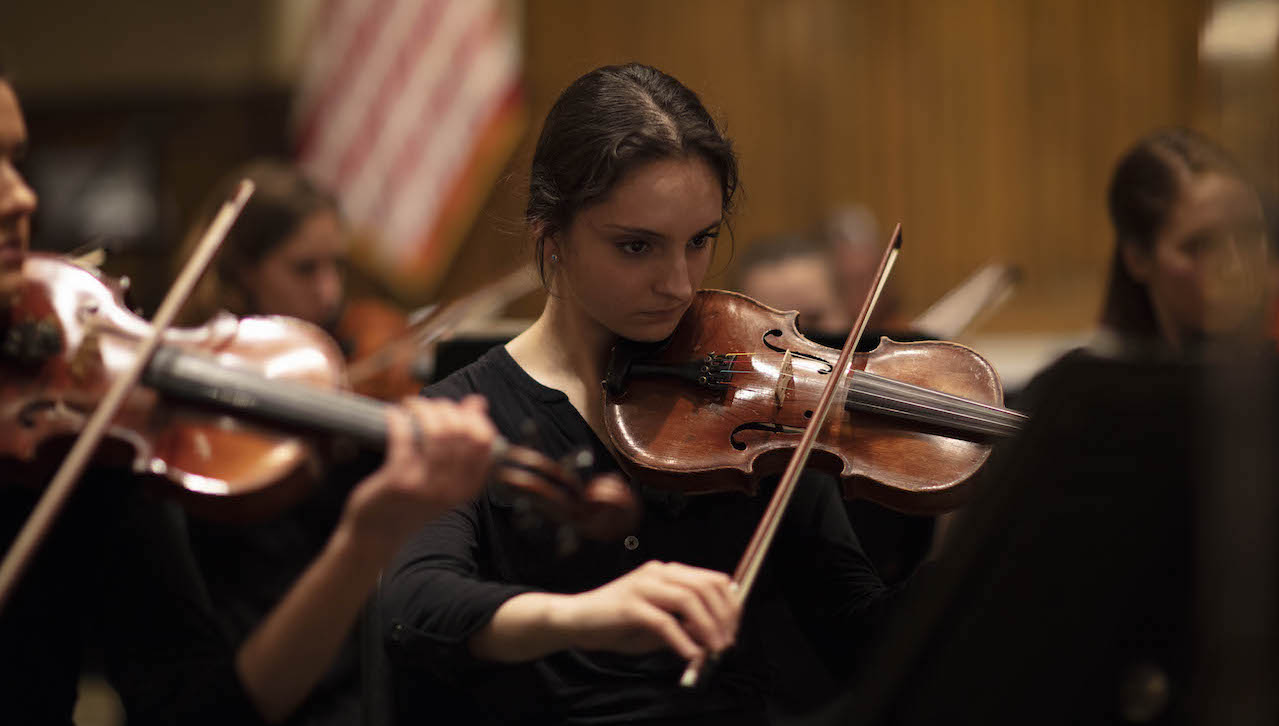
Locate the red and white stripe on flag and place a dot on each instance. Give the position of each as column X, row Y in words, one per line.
column 407, row 110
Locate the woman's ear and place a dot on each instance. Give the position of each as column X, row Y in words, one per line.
column 551, row 252
column 1137, row 262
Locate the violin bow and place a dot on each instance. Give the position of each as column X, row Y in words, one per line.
column 60, row 488
column 439, row 322
column 753, row 559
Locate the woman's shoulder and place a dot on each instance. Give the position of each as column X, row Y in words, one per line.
column 1107, row 366
column 1050, row 378
column 479, row 376
column 514, row 397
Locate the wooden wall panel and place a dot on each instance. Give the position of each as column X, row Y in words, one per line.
column 987, row 126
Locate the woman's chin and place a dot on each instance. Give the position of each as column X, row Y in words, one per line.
column 649, row 332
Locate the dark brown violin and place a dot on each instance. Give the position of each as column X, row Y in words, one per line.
column 724, row 400
column 221, row 407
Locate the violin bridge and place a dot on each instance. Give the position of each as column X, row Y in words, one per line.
column 785, row 374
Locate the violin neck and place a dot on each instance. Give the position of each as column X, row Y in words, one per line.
column 201, row 380
column 870, row 393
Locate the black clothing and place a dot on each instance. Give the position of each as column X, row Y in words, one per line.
column 455, row 573
column 249, row 567
column 116, row 573
column 896, row 542
column 1067, row 593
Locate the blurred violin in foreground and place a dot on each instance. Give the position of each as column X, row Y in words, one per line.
column 222, row 407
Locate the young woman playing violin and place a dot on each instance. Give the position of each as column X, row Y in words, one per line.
column 632, row 182
column 1109, row 498
column 117, row 569
column 286, row 255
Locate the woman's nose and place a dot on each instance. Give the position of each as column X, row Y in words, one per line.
column 674, row 281
column 16, row 198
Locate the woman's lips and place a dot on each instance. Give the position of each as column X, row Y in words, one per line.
column 668, row 313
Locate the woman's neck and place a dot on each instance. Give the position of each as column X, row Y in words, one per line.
column 563, row 344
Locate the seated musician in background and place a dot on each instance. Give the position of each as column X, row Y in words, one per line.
column 790, row 272
column 632, row 182
column 851, row 237
column 288, row 255
column 826, row 278
column 285, row 255
column 116, row 569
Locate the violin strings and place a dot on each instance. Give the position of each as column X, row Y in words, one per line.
column 872, row 378
column 983, row 416
column 974, row 421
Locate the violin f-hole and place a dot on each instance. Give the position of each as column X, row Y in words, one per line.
column 770, row 428
column 796, row 353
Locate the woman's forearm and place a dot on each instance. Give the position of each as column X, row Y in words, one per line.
column 289, row 651
column 657, row 605
column 526, row 627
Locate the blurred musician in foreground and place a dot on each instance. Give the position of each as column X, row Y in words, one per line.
column 1190, row 264
column 1087, row 580
column 116, row 568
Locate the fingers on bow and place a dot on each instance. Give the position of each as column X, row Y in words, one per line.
column 696, row 605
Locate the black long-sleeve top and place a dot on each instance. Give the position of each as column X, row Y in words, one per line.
column 114, row 574
column 250, row 567
column 455, row 574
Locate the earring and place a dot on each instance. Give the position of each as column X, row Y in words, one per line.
column 555, row 258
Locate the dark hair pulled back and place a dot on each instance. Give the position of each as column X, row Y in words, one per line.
column 604, row 125
column 1146, row 186
column 284, row 198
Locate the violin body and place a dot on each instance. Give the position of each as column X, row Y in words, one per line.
column 223, row 409
column 69, row 335
column 369, row 326
column 724, row 401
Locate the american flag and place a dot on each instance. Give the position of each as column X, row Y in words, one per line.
column 407, row 110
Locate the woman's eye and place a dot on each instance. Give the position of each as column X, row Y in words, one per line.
column 701, row 241
column 633, row 246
